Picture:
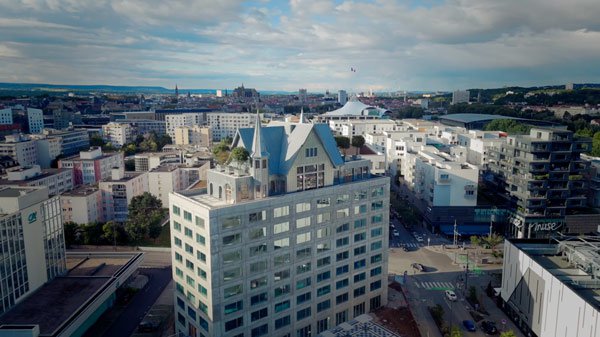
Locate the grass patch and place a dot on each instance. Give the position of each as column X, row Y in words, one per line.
column 163, row 240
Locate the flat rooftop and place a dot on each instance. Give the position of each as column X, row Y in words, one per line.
column 568, row 259
column 81, row 191
column 89, row 275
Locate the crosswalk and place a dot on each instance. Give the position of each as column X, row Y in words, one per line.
column 412, row 245
column 435, row 285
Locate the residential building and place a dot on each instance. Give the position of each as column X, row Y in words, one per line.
column 593, row 177
column 56, row 180
column 92, row 166
column 21, row 148
column 148, row 161
column 118, row 190
column 292, row 242
column 33, row 242
column 479, row 143
column 64, row 119
column 342, row 97
column 82, row 205
column 6, row 116
column 117, row 134
column 35, row 118
column 550, row 287
column 224, row 124
column 193, row 135
column 362, row 127
column 165, row 179
column 541, row 175
column 460, row 96
column 30, row 119
column 72, row 140
column 48, row 149
column 179, row 120
column 145, row 126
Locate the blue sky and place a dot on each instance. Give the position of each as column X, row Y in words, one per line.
column 286, row 45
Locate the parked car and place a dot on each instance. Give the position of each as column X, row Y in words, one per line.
column 418, row 266
column 148, row 326
column 396, row 233
column 469, row 325
column 450, row 295
column 404, row 248
column 489, row 327
column 419, row 238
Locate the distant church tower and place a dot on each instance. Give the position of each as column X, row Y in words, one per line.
column 176, row 93
column 259, row 162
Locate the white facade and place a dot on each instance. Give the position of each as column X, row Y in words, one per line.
column 117, row 192
column 92, row 166
column 148, row 161
column 48, row 148
column 118, row 134
column 32, row 242
column 164, row 180
column 22, row 149
column 179, row 120
column 56, row 180
column 83, row 205
column 460, row 96
column 362, row 127
column 35, row 117
column 547, row 292
column 193, row 135
column 225, row 125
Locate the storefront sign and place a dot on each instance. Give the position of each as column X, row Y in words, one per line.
column 32, row 217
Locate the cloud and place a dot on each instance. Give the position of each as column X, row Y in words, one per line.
column 394, row 44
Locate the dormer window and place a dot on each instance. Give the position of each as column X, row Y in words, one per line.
column 311, row 152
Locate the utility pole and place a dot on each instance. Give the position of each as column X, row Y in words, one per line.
column 455, row 234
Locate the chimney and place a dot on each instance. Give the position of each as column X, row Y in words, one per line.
column 118, row 173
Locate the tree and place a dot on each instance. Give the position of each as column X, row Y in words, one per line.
column 358, row 142
column 475, row 240
column 145, row 214
column 493, row 241
column 508, row 333
column 508, row 125
column 343, row 143
column 455, row 332
column 71, row 230
column 596, row 144
column 92, row 233
column 96, row 140
column 221, row 152
column 240, row 154
column 111, row 232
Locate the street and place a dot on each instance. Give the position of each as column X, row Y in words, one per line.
column 425, row 289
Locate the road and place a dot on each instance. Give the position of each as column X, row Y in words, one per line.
column 427, row 288
column 128, row 321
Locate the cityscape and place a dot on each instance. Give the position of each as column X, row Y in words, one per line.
column 299, row 169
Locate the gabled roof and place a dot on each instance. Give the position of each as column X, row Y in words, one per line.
column 355, row 107
column 284, row 140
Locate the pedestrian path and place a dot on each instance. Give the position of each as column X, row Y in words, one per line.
column 412, row 245
column 435, row 285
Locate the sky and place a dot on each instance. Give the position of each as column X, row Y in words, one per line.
column 286, row 45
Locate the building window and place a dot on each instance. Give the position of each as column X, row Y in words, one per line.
column 303, row 313
column 375, row 271
column 323, row 276
column 360, row 277
column 303, row 253
column 187, row 216
column 281, row 211
column 282, row 322
column 311, row 152
column 323, row 290
column 303, row 298
column 310, row 176
column 342, row 256
column 281, row 227
column 258, row 299
column 359, row 309
column 282, row 306
column 375, row 285
column 342, row 228
column 303, row 238
column 360, row 250
column 234, row 323
column 302, row 207
column 323, row 305
column 176, row 210
column 341, row 284
column 258, row 216
column 341, row 317
column 201, row 239
column 300, row 284
column 341, row 298
column 233, row 307
column 303, row 222
column 281, row 243
column 360, row 236
column 375, row 302
column 256, row 315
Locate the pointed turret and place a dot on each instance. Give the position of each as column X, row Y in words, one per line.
column 258, row 148
column 259, row 162
column 301, row 115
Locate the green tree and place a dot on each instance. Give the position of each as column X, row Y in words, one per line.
column 96, row 140
column 221, row 152
column 227, row 140
column 130, row 149
column 358, row 142
column 596, row 144
column 343, row 143
column 455, row 332
column 508, row 125
column 92, row 233
column 240, row 154
column 475, row 240
column 71, row 230
column 493, row 241
column 508, row 333
column 145, row 214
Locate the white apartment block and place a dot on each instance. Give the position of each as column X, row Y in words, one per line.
column 48, row 148
column 118, row 190
column 148, row 161
column 179, row 120
column 342, row 97
column 6, row 116
column 32, row 242
column 478, row 144
column 166, row 179
column 398, row 143
column 145, row 126
column 92, row 166
column 291, row 243
column 56, row 180
column 21, row 148
column 35, row 117
column 225, row 125
column 362, row 127
column 82, row 205
column 118, row 134
column 440, row 181
column 193, row 135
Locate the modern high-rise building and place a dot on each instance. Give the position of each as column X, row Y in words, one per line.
column 32, row 242
column 541, row 174
column 290, row 243
column 118, row 190
column 460, row 96
column 117, row 134
column 342, row 97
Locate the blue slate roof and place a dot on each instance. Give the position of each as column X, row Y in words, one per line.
column 283, row 141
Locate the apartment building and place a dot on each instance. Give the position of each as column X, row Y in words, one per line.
column 82, row 205
column 362, row 127
column 184, row 119
column 56, row 180
column 193, row 135
column 92, row 166
column 145, row 126
column 32, row 242
column 541, row 175
column 72, row 140
column 148, row 161
column 293, row 242
column 165, row 179
column 21, row 148
column 118, row 190
column 118, row 134
column 225, row 124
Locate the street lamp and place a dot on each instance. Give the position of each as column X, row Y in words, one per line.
column 455, row 234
